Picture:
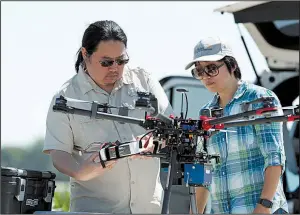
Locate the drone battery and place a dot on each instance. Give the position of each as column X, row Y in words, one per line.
column 198, row 174
column 26, row 191
column 112, row 154
column 115, row 152
column 124, row 150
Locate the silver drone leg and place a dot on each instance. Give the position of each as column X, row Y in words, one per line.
column 193, row 200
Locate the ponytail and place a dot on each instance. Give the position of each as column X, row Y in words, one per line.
column 79, row 60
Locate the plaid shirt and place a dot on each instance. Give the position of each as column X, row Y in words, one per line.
column 245, row 154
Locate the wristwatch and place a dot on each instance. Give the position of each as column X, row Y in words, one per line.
column 266, row 203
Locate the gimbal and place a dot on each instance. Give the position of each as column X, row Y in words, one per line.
column 182, row 136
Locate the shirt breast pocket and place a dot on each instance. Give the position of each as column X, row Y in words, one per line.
column 129, row 102
column 90, row 131
column 137, row 113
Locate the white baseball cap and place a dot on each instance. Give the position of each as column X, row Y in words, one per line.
column 210, row 49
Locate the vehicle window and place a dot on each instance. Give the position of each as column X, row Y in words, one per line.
column 288, row 27
column 197, row 97
column 296, row 135
column 168, row 93
column 281, row 33
column 296, row 143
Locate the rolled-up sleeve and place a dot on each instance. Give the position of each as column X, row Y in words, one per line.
column 270, row 137
column 59, row 134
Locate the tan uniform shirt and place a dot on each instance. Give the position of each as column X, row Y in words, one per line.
column 132, row 185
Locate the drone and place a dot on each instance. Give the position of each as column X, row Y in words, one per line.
column 182, row 136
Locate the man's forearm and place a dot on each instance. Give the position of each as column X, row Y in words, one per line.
column 64, row 163
column 272, row 176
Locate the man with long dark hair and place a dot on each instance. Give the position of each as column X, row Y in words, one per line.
column 127, row 185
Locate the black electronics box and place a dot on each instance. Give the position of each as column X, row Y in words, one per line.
column 26, row 191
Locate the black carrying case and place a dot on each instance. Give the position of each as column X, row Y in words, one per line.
column 26, row 191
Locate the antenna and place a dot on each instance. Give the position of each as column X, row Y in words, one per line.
column 183, row 92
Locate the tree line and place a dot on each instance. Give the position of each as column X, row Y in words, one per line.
column 30, row 157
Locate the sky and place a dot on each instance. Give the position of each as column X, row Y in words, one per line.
column 39, row 41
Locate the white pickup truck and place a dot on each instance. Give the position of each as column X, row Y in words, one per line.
column 274, row 27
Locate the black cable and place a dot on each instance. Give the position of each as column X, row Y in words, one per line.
column 140, row 141
column 187, row 105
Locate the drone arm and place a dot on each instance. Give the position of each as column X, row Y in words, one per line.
column 225, row 122
column 211, row 124
column 61, row 106
column 257, row 112
column 259, row 121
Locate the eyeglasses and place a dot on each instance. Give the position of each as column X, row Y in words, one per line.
column 119, row 61
column 210, row 70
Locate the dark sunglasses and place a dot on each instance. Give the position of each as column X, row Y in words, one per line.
column 107, row 63
column 210, row 70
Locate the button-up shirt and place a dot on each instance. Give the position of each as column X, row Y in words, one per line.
column 132, row 185
column 245, row 154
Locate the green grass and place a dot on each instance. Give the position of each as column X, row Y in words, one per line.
column 61, row 201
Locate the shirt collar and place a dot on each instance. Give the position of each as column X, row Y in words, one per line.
column 243, row 86
column 127, row 77
column 86, row 83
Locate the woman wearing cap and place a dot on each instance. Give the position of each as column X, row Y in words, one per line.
column 248, row 177
column 127, row 185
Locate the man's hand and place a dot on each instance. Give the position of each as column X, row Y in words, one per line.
column 145, row 150
column 143, row 154
column 261, row 210
column 89, row 169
